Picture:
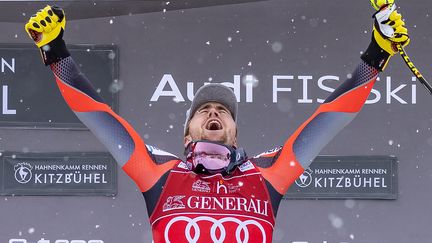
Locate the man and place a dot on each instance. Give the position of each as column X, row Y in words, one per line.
column 217, row 194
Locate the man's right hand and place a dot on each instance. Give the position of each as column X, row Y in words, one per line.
column 46, row 25
column 389, row 29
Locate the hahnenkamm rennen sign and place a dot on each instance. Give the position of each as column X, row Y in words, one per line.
column 57, row 174
column 360, row 177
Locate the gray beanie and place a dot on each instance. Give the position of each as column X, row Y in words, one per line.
column 218, row 93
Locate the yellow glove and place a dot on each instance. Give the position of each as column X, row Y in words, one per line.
column 48, row 24
column 389, row 29
column 46, row 29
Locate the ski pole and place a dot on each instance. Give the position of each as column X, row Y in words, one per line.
column 377, row 5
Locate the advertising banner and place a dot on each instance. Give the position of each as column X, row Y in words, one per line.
column 24, row 82
column 58, row 174
column 344, row 177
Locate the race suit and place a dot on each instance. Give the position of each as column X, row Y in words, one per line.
column 187, row 207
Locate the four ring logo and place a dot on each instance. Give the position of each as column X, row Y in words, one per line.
column 23, row 172
column 217, row 225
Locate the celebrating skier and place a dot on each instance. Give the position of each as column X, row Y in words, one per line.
column 216, row 193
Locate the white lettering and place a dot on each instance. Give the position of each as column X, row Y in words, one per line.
column 368, row 182
column 219, row 186
column 304, row 98
column 376, row 99
column 68, row 178
column 189, row 90
column 205, row 203
column 77, row 177
column 51, row 178
column 318, row 182
column 252, row 206
column 37, row 178
column 339, row 182
column 249, row 88
column 5, row 64
column 346, row 182
column 228, row 203
column 167, row 86
column 103, row 179
column 276, row 89
column 174, row 92
column 59, row 179
column 87, row 178
column 265, row 212
column 196, row 202
column 235, row 86
column 392, row 93
column 241, row 204
column 414, row 91
column 5, row 107
column 326, row 88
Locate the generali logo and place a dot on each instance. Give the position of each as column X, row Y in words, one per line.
column 217, row 204
column 201, row 186
column 173, row 202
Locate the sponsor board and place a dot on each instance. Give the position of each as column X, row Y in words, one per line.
column 240, row 204
column 362, row 177
column 392, row 92
column 58, row 174
column 29, row 93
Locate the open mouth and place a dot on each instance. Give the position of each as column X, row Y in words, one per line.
column 213, row 125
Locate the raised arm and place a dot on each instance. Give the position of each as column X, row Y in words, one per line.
column 283, row 167
column 145, row 166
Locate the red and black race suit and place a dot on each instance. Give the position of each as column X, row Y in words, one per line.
column 187, row 207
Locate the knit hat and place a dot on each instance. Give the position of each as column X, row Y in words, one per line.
column 218, row 93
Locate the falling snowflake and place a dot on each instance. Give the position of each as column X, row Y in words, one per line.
column 336, row 221
column 277, row 46
column 111, row 55
column 250, row 79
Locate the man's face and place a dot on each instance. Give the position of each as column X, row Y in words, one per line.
column 212, row 121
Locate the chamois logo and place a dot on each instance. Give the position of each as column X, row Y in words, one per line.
column 305, row 179
column 23, row 172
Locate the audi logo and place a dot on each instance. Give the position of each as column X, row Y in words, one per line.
column 217, row 224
